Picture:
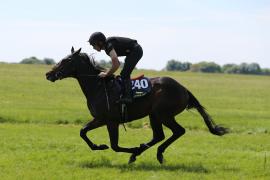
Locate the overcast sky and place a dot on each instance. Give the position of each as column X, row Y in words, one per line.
column 223, row 31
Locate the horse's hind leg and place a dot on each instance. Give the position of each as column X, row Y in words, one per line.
column 177, row 132
column 158, row 135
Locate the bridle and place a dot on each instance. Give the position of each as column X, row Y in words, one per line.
column 60, row 75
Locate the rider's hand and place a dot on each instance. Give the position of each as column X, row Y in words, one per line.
column 102, row 74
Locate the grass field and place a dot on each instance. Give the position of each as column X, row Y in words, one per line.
column 40, row 123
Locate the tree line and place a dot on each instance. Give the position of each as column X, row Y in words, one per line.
column 174, row 65
column 211, row 67
column 34, row 60
column 49, row 61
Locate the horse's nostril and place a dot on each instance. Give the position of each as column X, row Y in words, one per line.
column 50, row 76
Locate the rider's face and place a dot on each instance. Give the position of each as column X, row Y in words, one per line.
column 97, row 47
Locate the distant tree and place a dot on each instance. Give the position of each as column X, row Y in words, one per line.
column 31, row 60
column 211, row 67
column 245, row 68
column 48, row 61
column 108, row 64
column 254, row 68
column 230, row 68
column 174, row 65
column 171, row 65
column 185, row 66
column 204, row 66
column 105, row 63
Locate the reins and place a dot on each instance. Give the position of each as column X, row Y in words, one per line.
column 88, row 75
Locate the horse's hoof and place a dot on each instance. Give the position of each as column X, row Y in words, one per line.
column 160, row 158
column 103, row 147
column 132, row 159
column 99, row 147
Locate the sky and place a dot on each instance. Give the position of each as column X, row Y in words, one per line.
column 222, row 31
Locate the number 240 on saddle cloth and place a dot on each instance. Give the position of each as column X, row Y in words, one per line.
column 141, row 86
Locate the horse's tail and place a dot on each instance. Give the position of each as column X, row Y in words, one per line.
column 213, row 128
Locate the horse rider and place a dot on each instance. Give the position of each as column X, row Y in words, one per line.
column 115, row 47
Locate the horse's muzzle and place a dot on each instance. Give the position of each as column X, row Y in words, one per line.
column 51, row 76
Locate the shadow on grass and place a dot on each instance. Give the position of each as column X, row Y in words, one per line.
column 145, row 166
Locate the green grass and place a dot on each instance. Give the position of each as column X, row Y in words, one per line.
column 40, row 123
column 30, row 151
column 26, row 96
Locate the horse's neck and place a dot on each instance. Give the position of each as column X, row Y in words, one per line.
column 89, row 86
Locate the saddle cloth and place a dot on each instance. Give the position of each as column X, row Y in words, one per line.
column 141, row 86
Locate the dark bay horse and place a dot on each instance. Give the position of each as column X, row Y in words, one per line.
column 167, row 99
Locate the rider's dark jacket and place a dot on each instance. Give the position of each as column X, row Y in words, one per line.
column 125, row 47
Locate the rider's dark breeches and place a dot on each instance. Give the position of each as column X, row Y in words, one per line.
column 131, row 60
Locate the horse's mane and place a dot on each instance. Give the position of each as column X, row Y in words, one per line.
column 91, row 59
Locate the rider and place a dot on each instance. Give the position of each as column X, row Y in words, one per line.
column 114, row 47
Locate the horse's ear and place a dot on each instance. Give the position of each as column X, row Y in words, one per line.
column 72, row 50
column 77, row 52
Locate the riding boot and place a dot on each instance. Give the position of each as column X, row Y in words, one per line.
column 127, row 93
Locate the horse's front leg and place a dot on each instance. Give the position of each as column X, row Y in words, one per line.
column 113, row 129
column 95, row 123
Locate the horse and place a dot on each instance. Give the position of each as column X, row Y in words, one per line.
column 167, row 99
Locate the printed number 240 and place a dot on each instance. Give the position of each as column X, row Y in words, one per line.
column 140, row 84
